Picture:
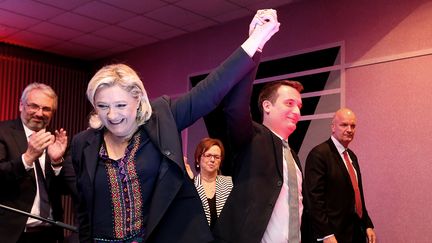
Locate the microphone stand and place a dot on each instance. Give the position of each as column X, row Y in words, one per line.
column 50, row 221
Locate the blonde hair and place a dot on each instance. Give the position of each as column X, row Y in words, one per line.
column 126, row 78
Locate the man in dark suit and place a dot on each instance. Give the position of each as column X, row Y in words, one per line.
column 334, row 187
column 25, row 144
column 259, row 205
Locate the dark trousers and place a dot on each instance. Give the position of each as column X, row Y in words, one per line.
column 359, row 234
column 355, row 233
column 39, row 234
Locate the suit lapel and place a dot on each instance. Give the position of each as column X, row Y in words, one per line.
column 277, row 150
column 203, row 197
column 169, row 180
column 153, row 130
column 339, row 161
column 165, row 139
column 220, row 194
column 357, row 169
column 91, row 153
column 354, row 161
column 18, row 135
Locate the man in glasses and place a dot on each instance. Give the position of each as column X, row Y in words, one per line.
column 31, row 162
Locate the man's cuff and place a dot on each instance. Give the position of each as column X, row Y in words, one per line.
column 26, row 167
column 57, row 170
column 326, row 237
column 57, row 164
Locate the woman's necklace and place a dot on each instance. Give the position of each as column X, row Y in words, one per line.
column 209, row 186
column 208, row 180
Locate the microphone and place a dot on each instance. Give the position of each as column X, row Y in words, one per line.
column 50, row 221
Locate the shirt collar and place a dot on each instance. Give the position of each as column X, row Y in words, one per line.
column 340, row 148
column 277, row 135
column 28, row 131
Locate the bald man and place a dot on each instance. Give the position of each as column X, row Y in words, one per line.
column 334, row 187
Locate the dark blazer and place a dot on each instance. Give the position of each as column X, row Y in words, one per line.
column 176, row 213
column 223, row 188
column 17, row 186
column 256, row 169
column 258, row 179
column 331, row 195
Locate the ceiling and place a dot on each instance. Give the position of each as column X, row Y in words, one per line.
column 93, row 29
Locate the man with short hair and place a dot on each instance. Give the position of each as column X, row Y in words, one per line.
column 31, row 159
column 265, row 204
column 334, row 188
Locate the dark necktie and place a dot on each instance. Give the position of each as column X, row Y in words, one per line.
column 354, row 182
column 43, row 192
column 293, row 203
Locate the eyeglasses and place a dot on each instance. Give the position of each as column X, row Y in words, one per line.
column 215, row 156
column 33, row 108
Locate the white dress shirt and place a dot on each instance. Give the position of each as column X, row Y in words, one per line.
column 277, row 228
column 31, row 222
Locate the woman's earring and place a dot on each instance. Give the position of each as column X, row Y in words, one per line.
column 138, row 115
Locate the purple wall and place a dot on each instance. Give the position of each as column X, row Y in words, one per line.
column 388, row 56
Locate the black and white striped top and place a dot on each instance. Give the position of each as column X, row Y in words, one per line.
column 224, row 186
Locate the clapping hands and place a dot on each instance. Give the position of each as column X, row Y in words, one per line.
column 58, row 146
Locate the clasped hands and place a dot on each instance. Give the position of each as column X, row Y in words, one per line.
column 54, row 143
column 264, row 25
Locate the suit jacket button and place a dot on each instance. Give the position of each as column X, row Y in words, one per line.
column 279, row 183
column 167, row 152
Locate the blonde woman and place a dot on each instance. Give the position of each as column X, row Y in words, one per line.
column 130, row 172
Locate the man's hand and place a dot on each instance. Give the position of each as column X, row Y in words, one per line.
column 58, row 146
column 370, row 233
column 37, row 143
column 262, row 27
column 265, row 25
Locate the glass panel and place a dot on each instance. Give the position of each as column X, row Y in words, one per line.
column 320, row 104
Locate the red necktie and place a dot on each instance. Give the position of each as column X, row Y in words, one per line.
column 358, row 202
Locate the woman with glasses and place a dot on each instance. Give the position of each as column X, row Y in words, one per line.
column 212, row 187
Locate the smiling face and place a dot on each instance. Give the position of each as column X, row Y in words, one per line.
column 282, row 115
column 210, row 161
column 37, row 110
column 117, row 109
